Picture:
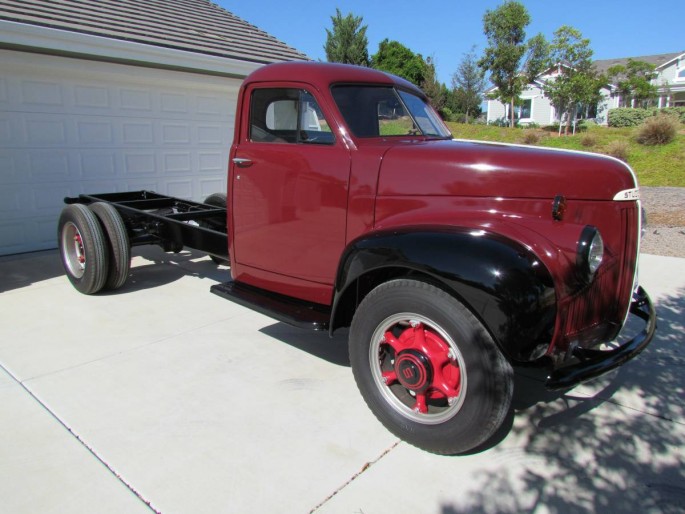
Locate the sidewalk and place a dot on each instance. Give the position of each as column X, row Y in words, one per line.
column 166, row 398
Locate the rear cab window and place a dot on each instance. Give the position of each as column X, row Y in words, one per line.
column 287, row 115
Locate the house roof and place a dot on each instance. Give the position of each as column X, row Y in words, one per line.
column 657, row 60
column 198, row 26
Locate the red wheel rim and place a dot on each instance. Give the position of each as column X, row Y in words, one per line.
column 418, row 368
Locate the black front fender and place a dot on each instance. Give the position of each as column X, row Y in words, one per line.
column 502, row 282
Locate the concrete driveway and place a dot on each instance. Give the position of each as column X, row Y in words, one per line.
column 166, row 398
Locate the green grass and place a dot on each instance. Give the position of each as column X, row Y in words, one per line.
column 654, row 165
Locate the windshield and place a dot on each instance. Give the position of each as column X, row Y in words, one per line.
column 373, row 111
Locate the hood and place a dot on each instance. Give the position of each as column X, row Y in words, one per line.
column 469, row 168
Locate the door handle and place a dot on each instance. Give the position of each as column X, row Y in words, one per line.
column 243, row 163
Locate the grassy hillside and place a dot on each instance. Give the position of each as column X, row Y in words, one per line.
column 654, row 165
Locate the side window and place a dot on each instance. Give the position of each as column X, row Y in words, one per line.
column 393, row 118
column 287, row 115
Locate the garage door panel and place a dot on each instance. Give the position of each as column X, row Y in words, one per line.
column 4, row 96
column 90, row 97
column 67, row 128
column 47, row 199
column 12, row 235
column 212, row 162
column 97, row 164
column 50, row 165
column 38, row 232
column 42, row 93
column 207, row 186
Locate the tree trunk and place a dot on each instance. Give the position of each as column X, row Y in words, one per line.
column 511, row 112
column 571, row 115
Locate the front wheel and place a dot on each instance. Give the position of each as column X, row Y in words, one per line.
column 427, row 368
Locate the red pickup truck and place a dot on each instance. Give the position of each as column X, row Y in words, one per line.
column 350, row 204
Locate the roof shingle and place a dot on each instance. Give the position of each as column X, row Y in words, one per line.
column 657, row 60
column 191, row 25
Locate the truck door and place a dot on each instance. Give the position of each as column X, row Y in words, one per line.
column 289, row 186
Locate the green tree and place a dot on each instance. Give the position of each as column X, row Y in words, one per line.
column 347, row 42
column 511, row 61
column 576, row 82
column 434, row 89
column 634, row 82
column 395, row 58
column 468, row 85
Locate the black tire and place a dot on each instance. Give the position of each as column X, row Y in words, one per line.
column 217, row 200
column 428, row 369
column 83, row 248
column 119, row 246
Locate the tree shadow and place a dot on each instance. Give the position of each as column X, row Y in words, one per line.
column 564, row 454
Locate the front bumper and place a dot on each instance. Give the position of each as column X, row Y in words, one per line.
column 594, row 363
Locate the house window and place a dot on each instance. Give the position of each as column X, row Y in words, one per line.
column 525, row 110
column 680, row 75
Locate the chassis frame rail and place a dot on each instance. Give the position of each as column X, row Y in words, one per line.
column 169, row 222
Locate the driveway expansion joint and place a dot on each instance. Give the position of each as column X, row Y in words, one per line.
column 364, row 468
column 78, row 438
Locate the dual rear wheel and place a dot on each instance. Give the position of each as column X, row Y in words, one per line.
column 94, row 247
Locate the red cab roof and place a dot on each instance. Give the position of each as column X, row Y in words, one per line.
column 323, row 75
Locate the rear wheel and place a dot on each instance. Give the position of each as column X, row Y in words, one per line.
column 119, row 245
column 83, row 248
column 428, row 369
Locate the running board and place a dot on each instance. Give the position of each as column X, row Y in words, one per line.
column 289, row 310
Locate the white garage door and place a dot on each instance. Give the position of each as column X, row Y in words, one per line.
column 70, row 126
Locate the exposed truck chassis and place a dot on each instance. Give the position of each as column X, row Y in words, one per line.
column 169, row 222
column 173, row 223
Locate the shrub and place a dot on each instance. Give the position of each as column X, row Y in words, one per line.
column 678, row 112
column 618, row 149
column 658, row 130
column 625, row 117
column 502, row 122
column 531, row 137
column 446, row 114
column 588, row 140
column 585, row 124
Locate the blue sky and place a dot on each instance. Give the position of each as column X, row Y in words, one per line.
column 447, row 30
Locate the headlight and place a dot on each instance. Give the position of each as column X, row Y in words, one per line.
column 590, row 252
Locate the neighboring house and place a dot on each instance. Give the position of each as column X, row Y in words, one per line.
column 670, row 79
column 536, row 108
column 116, row 95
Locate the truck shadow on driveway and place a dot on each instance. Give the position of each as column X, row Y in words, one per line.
column 152, row 267
column 319, row 344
